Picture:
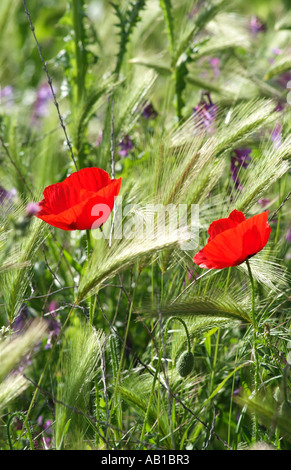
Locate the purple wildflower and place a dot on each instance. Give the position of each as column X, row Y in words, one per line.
column 279, row 107
column 45, row 429
column 3, row 195
column 263, row 202
column 6, row 196
column 205, row 112
column 256, row 25
column 276, row 51
column 7, row 96
column 284, row 78
column 240, row 159
column 125, row 145
column 214, row 62
column 53, row 305
column 99, row 138
column 47, row 426
column 237, row 391
column 288, row 235
column 276, row 135
column 43, row 97
column 149, row 112
column 32, row 208
column 195, row 10
column 6, row 91
column 191, row 275
column 21, row 320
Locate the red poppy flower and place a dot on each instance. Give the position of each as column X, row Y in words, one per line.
column 233, row 240
column 82, row 201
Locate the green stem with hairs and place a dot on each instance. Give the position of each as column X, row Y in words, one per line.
column 185, row 328
column 92, row 299
column 256, row 357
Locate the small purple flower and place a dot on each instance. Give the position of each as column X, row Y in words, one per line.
column 263, row 202
column 43, row 97
column 214, row 63
column 284, row 78
column 288, row 235
column 149, row 112
column 279, row 107
column 45, row 429
column 32, row 208
column 191, row 275
column 205, row 113
column 276, row 135
column 195, row 9
column 6, row 91
column 240, row 159
column 126, row 145
column 7, row 96
column 237, row 391
column 256, row 25
column 6, row 196
column 47, row 426
column 276, row 51
column 21, row 320
column 99, row 138
column 53, row 305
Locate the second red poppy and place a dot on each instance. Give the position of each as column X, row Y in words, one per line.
column 234, row 239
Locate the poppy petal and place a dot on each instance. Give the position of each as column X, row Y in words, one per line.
column 218, row 226
column 92, row 179
column 234, row 245
column 82, row 201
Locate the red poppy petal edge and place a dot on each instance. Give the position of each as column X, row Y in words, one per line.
column 233, row 246
column 220, row 225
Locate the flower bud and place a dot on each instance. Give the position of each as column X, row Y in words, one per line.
column 185, row 363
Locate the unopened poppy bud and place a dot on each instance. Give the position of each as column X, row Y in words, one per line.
column 185, row 363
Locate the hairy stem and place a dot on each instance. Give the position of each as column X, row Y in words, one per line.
column 256, row 358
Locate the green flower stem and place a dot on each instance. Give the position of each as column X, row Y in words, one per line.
column 256, row 360
column 92, row 298
column 253, row 292
column 185, row 328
